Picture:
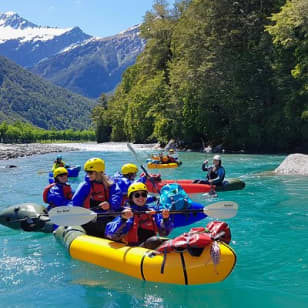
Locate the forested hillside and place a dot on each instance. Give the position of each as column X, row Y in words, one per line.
column 226, row 72
column 27, row 97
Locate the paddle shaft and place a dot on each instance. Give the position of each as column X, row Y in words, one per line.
column 75, row 215
column 188, row 211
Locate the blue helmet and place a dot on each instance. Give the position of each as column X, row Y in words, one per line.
column 59, row 156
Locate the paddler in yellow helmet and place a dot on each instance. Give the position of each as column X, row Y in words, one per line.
column 98, row 193
column 127, row 177
column 58, row 193
column 135, row 227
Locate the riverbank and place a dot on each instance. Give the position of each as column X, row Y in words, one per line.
column 9, row 151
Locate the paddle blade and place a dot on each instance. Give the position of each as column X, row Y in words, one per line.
column 221, row 210
column 71, row 215
column 130, row 147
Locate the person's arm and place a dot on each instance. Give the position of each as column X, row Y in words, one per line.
column 205, row 165
column 165, row 225
column 115, row 197
column 81, row 194
column 118, row 228
column 56, row 197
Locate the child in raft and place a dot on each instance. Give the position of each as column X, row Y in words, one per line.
column 134, row 226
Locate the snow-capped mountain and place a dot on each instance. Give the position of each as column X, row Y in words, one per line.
column 94, row 66
column 26, row 43
column 69, row 57
column 13, row 20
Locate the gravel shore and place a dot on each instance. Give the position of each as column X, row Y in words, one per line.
column 8, row 151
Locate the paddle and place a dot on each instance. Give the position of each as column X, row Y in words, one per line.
column 75, row 215
column 130, row 147
column 42, row 171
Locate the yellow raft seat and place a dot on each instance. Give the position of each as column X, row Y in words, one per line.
column 162, row 166
column 141, row 263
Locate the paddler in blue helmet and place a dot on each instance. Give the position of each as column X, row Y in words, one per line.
column 215, row 173
column 59, row 162
column 135, row 227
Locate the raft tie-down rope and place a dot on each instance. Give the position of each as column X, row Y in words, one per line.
column 215, row 253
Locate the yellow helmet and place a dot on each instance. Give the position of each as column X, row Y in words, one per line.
column 95, row 164
column 129, row 168
column 58, row 171
column 171, row 151
column 135, row 187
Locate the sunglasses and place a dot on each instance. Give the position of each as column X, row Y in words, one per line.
column 138, row 195
column 89, row 172
column 63, row 174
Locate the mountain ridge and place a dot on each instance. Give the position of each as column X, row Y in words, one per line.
column 26, row 43
column 70, row 58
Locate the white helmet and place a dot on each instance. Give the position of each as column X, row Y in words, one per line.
column 217, row 157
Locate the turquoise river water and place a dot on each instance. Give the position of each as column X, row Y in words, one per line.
column 269, row 236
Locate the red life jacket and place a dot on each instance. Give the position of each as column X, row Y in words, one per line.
column 220, row 230
column 67, row 191
column 195, row 238
column 98, row 193
column 198, row 237
column 141, row 221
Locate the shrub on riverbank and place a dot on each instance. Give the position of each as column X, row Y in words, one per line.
column 20, row 132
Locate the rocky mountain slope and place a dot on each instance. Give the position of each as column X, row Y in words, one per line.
column 68, row 57
column 27, row 97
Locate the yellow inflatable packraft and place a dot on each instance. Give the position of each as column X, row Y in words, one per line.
column 162, row 166
column 141, row 263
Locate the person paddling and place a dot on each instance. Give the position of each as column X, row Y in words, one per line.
column 139, row 229
column 215, row 173
column 98, row 193
column 126, row 178
column 59, row 162
column 58, row 193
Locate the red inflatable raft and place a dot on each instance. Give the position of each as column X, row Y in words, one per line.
column 191, row 188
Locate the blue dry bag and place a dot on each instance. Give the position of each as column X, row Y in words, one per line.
column 174, row 197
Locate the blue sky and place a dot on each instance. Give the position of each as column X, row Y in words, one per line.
column 95, row 17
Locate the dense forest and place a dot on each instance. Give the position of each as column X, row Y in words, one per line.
column 20, row 132
column 218, row 72
column 29, row 98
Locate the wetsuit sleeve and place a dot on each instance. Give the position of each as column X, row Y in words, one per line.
column 123, row 184
column 220, row 176
column 164, row 225
column 205, row 167
column 115, row 197
column 56, row 197
column 81, row 194
column 118, row 228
